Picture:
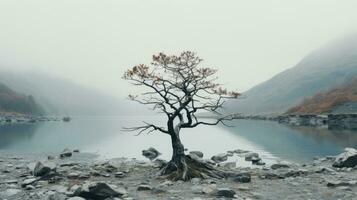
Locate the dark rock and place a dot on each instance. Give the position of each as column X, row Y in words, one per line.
column 119, row 175
column 332, row 183
column 260, row 162
column 270, row 175
column 144, row 187
column 279, row 165
column 50, row 157
column 66, row 153
column 242, row 177
column 346, row 159
column 151, row 153
column 250, row 156
column 99, row 190
column 295, row 173
column 43, row 169
column 255, row 160
column 225, row 192
column 219, row 158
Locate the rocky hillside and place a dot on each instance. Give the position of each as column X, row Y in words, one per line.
column 328, row 67
column 332, row 101
column 13, row 102
column 59, row 96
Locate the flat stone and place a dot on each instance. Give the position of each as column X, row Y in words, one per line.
column 144, row 187
column 76, row 198
column 119, row 174
column 219, row 157
column 225, row 192
column 279, row 165
column 28, row 182
column 99, row 190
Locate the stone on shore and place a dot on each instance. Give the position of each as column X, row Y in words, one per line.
column 144, row 187
column 151, row 153
column 280, row 165
column 99, row 190
column 220, row 157
column 250, row 156
column 42, row 169
column 28, row 182
column 242, row 177
column 225, row 192
column 66, row 153
column 346, row 159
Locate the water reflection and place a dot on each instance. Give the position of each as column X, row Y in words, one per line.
column 294, row 143
column 104, row 135
column 11, row 134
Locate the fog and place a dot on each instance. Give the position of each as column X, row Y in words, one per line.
column 93, row 42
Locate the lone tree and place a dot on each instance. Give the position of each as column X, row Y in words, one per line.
column 179, row 88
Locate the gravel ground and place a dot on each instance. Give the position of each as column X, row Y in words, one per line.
column 84, row 175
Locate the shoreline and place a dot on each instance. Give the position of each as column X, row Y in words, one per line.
column 136, row 179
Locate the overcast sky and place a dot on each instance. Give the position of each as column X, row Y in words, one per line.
column 93, row 42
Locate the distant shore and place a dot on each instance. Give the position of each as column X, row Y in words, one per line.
column 16, row 118
column 73, row 175
column 330, row 121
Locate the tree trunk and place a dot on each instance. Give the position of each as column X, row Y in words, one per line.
column 184, row 167
column 178, row 150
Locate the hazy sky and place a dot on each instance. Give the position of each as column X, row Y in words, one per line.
column 92, row 42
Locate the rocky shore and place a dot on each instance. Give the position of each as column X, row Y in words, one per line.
column 330, row 121
column 76, row 176
column 6, row 118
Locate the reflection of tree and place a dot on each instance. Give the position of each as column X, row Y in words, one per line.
column 341, row 137
column 13, row 133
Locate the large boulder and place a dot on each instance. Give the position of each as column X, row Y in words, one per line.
column 151, row 153
column 99, row 190
column 346, row 159
column 41, row 169
column 220, row 157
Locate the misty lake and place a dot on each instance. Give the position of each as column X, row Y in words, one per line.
column 104, row 135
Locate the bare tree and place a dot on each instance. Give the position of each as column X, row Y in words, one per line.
column 180, row 89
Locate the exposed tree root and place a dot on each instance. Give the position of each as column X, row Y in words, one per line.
column 185, row 168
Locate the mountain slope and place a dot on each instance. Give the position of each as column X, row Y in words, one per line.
column 327, row 102
column 13, row 102
column 63, row 97
column 324, row 69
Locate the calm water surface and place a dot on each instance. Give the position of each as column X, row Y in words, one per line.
column 104, row 135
